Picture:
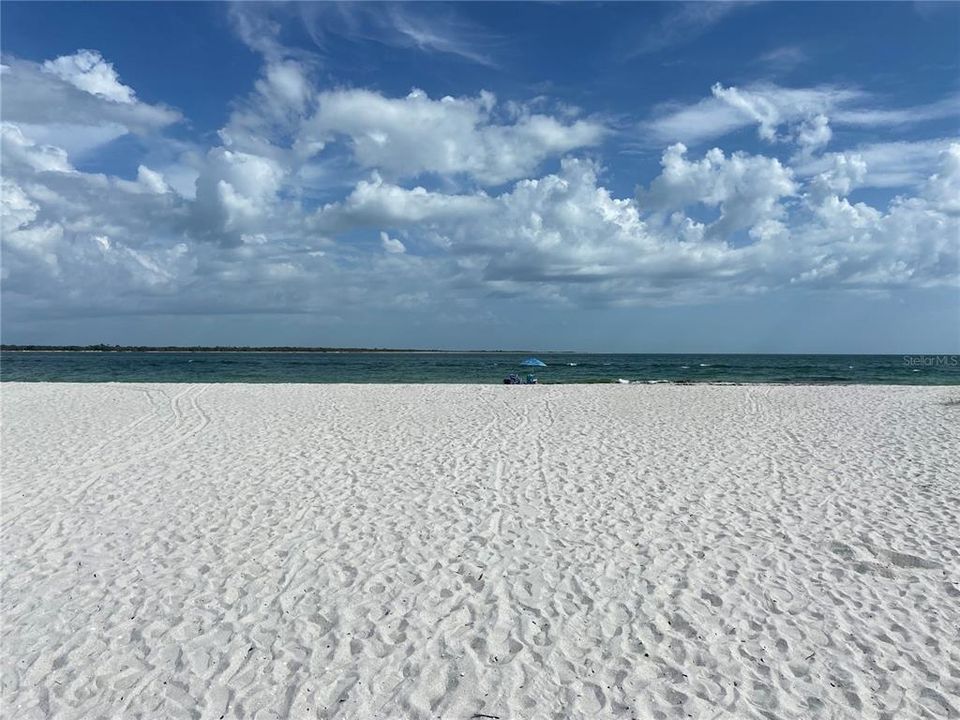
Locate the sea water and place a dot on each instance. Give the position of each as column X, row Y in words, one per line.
column 471, row 367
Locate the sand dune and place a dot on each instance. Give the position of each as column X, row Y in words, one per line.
column 258, row 551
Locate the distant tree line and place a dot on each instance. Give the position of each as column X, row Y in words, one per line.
column 193, row 348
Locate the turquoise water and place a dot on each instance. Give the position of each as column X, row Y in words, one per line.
column 471, row 367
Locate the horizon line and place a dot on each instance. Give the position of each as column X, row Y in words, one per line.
column 102, row 347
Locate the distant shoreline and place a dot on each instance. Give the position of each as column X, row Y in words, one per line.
column 237, row 350
column 405, row 351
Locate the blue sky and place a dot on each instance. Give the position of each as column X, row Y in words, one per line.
column 658, row 177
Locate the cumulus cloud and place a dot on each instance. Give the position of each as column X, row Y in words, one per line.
column 392, row 245
column 813, row 133
column 88, row 71
column 75, row 237
column 747, row 189
column 405, row 137
column 18, row 149
column 565, row 237
column 288, row 120
column 151, row 181
column 76, row 102
column 61, row 92
column 252, row 241
column 236, row 193
column 16, row 209
column 845, row 171
column 943, row 187
column 265, row 122
column 375, row 202
column 896, row 164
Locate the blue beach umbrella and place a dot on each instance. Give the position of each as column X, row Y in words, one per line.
column 532, row 362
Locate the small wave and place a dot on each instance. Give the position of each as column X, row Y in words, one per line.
column 705, row 365
column 571, row 364
column 684, row 367
column 622, row 381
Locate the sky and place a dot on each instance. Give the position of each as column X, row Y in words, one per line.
column 622, row 177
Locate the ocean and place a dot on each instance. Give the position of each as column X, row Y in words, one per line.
column 472, row 367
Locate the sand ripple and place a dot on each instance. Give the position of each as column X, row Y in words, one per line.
column 456, row 552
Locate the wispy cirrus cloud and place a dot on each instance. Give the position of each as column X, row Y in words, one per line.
column 682, row 24
column 783, row 59
column 433, row 28
column 879, row 116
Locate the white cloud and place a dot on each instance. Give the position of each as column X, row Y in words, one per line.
column 257, row 30
column 151, row 180
column 943, row 187
column 844, row 172
column 948, row 107
column 405, row 137
column 805, row 114
column 747, row 189
column 442, row 33
column 913, row 243
column 560, row 238
column 19, row 149
column 887, row 164
column 253, row 240
column 287, row 120
column 565, row 238
column 813, row 133
column 275, row 112
column 88, row 71
column 287, row 82
column 784, row 58
column 16, row 209
column 374, row 202
column 236, row 193
column 31, row 94
column 440, row 29
column 76, row 102
column 682, row 23
column 391, row 245
column 77, row 141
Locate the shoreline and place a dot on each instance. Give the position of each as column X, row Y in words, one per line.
column 637, row 383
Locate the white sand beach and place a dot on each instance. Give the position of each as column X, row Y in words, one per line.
column 424, row 551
